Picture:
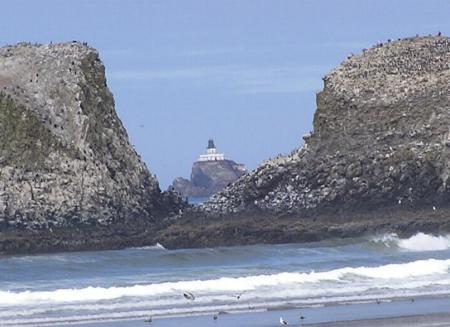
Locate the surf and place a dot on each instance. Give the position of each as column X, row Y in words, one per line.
column 419, row 242
column 402, row 271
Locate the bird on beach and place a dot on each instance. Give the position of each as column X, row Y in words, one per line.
column 149, row 320
column 434, row 208
column 189, row 296
column 302, row 318
column 238, row 297
column 282, row 321
column 215, row 317
column 378, row 301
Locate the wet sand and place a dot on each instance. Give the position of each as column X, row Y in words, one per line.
column 435, row 320
column 423, row 312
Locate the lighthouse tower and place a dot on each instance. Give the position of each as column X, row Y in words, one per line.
column 211, row 153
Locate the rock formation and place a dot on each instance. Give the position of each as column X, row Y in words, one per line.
column 380, row 138
column 210, row 174
column 377, row 159
column 208, row 177
column 65, row 158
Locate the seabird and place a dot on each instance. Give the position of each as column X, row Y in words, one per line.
column 149, row 320
column 302, row 317
column 189, row 296
column 434, row 208
column 215, row 317
column 239, row 295
column 400, row 201
column 282, row 321
column 378, row 301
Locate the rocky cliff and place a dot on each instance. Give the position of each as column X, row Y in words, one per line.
column 378, row 156
column 65, row 158
column 208, row 177
column 380, row 137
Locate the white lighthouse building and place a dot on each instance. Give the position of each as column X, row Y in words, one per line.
column 211, row 153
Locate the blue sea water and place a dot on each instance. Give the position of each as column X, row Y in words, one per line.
column 197, row 200
column 94, row 287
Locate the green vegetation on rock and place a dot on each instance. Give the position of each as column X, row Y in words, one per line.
column 25, row 142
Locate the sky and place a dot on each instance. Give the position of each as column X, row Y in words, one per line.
column 243, row 72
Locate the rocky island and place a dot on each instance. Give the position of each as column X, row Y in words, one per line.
column 210, row 173
column 377, row 160
column 69, row 178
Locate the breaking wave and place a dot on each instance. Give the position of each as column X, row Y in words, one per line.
column 415, row 269
column 157, row 246
column 419, row 242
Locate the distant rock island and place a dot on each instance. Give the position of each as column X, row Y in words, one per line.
column 210, row 173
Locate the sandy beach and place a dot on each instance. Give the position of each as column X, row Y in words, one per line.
column 419, row 313
column 435, row 320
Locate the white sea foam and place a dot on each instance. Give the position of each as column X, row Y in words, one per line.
column 116, row 315
column 389, row 272
column 419, row 242
column 157, row 246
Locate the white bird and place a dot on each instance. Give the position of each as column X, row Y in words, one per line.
column 400, row 201
column 282, row 321
column 434, row 208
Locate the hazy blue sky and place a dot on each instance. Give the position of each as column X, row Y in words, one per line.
column 242, row 72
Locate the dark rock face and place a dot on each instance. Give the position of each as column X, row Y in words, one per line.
column 65, row 158
column 380, row 138
column 208, row 177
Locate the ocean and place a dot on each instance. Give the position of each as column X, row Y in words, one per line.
column 197, row 200
column 109, row 287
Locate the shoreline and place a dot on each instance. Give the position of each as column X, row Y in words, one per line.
column 401, row 313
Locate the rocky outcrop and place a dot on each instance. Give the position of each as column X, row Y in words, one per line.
column 65, row 158
column 380, row 139
column 208, row 177
column 377, row 159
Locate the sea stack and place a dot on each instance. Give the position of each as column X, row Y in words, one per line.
column 377, row 159
column 65, row 159
column 380, row 137
column 211, row 173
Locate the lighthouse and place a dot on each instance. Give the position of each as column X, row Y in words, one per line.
column 211, row 173
column 211, row 153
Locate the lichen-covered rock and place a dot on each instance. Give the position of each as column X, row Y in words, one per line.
column 65, row 158
column 380, row 138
